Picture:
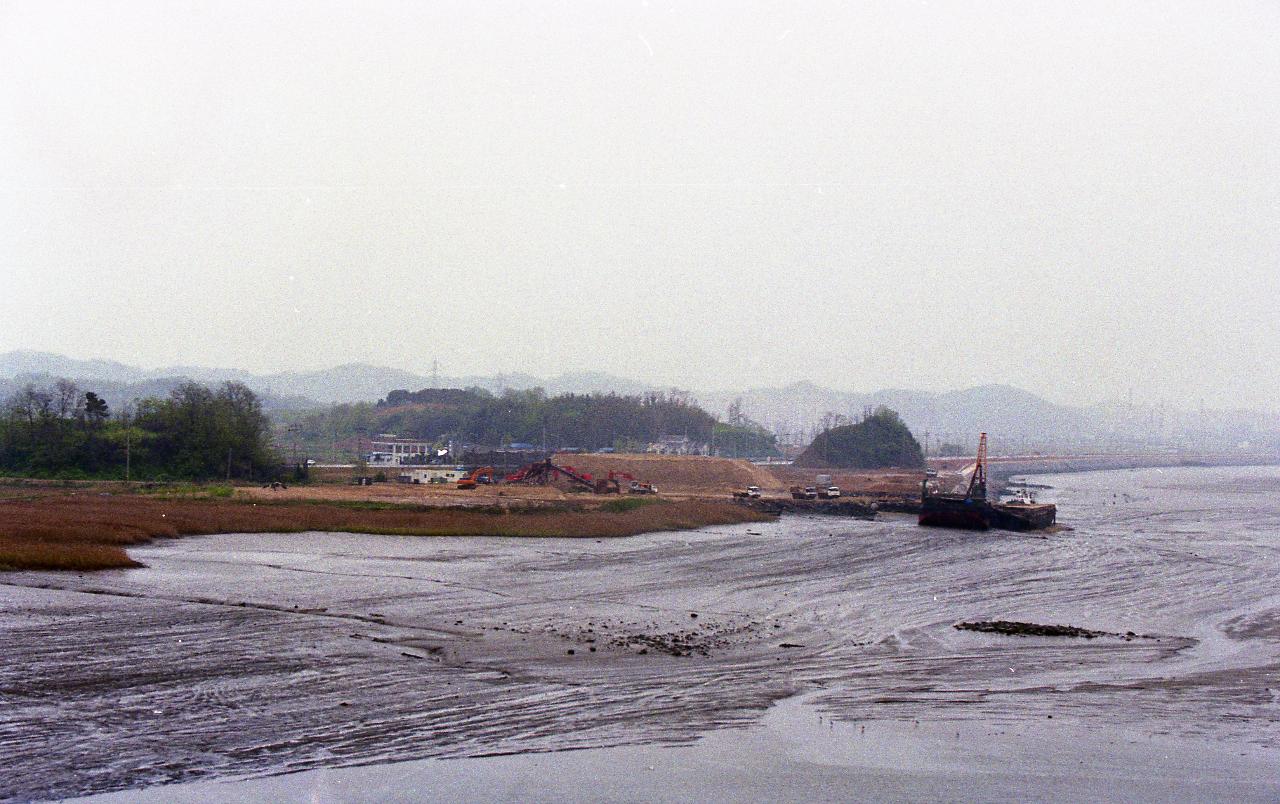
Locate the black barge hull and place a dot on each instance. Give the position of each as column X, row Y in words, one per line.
column 954, row 512
column 975, row 514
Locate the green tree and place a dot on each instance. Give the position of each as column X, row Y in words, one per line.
column 95, row 409
column 879, row 441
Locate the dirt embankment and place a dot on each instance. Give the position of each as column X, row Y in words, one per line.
column 873, row 484
column 679, row 474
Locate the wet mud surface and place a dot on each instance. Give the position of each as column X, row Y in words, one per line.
column 241, row 655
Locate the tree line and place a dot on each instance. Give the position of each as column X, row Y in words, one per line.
column 194, row 433
column 585, row 421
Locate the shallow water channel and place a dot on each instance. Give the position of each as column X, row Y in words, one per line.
column 243, row 656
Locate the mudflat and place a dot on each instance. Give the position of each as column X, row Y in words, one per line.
column 805, row 658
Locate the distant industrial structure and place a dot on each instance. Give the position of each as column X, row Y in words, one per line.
column 388, row 450
column 677, row 445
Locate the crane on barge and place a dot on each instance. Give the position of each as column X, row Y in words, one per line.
column 969, row 510
column 973, row 511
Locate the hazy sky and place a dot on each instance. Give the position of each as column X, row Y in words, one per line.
column 1079, row 199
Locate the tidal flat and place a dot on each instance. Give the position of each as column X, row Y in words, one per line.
column 804, row 658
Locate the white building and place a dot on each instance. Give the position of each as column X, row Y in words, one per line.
column 432, row 474
column 387, row 450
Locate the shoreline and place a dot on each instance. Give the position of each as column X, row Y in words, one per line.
column 242, row 656
column 90, row 531
column 999, row 476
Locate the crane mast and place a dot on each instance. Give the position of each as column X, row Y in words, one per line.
column 978, row 483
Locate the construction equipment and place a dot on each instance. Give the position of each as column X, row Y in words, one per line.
column 978, row 482
column 483, row 474
column 613, row 483
column 970, row 510
column 541, row 473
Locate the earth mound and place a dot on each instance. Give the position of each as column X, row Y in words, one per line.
column 678, row 473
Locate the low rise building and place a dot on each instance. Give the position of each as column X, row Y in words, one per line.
column 432, row 474
column 388, row 450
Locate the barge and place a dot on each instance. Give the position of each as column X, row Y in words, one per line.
column 972, row 510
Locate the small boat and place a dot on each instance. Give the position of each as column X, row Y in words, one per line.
column 1022, row 515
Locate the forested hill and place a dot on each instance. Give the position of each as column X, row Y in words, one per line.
column 879, row 441
column 586, row 421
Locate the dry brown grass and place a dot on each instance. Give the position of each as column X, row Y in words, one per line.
column 89, row 531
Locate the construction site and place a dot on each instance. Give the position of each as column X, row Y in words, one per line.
column 587, row 477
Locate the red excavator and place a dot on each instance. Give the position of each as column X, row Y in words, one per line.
column 540, row 473
column 544, row 472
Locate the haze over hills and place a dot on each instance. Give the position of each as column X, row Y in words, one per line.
column 351, row 382
column 803, row 408
column 1018, row 420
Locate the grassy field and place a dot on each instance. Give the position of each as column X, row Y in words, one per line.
column 88, row 530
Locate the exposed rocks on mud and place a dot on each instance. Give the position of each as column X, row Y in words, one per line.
column 707, row 635
column 700, row 640
column 1012, row 628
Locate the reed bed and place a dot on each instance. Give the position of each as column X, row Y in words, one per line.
column 82, row 532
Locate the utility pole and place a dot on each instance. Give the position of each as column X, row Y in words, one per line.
column 128, row 437
column 360, row 461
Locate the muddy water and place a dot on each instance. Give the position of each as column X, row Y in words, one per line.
column 239, row 655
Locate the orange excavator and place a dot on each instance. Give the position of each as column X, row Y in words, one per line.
column 483, row 474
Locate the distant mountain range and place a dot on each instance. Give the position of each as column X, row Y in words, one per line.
column 1018, row 421
column 352, row 382
column 800, row 409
